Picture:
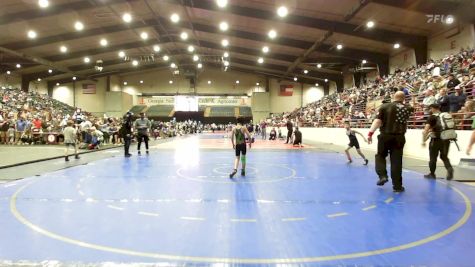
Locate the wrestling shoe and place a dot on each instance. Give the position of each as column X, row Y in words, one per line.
column 243, row 172
column 139, row 153
column 66, row 159
column 146, row 152
column 382, row 181
column 430, row 176
column 399, row 189
column 77, row 157
column 365, row 162
column 232, row 174
column 450, row 174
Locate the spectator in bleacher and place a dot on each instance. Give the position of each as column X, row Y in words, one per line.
column 84, row 127
column 97, row 137
column 443, row 100
column 452, row 81
column 457, row 100
column 428, row 100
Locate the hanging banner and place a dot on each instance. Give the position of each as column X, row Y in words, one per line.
column 202, row 101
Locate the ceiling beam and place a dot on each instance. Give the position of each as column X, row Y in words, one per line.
column 283, row 41
column 204, row 44
column 70, row 36
column 38, row 60
column 318, row 43
column 54, row 10
column 380, row 35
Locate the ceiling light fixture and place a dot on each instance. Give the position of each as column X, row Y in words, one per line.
column 39, row 79
column 79, row 26
column 32, row 34
column 43, row 3
column 396, row 45
column 226, row 63
column 222, row 3
column 449, row 19
column 339, row 46
column 74, row 78
column 126, row 17
column 295, row 79
column 8, row 72
column 370, row 24
column 184, row 36
column 316, row 84
column 125, row 83
column 265, row 49
column 272, row 34
column 63, row 49
column 166, row 58
column 326, row 80
column 104, row 42
column 364, row 61
column 257, row 84
column 18, row 66
column 319, row 66
column 225, row 42
column 173, row 65
column 209, row 82
column 226, row 54
column 156, row 48
column 87, row 60
column 191, row 48
column 50, row 71
column 141, row 82
column 200, row 66
column 237, row 82
column 223, row 26
column 170, row 82
column 135, row 63
column 260, row 60
column 144, row 36
column 196, row 58
column 175, row 18
column 121, row 54
column 57, row 84
column 282, row 11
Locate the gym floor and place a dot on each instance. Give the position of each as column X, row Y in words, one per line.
column 178, row 206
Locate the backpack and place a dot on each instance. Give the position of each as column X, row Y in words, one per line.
column 447, row 125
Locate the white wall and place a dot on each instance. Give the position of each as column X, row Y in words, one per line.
column 451, row 41
column 403, row 59
column 312, row 94
column 94, row 103
column 278, row 103
column 412, row 148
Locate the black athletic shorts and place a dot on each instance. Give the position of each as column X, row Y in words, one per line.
column 355, row 144
column 142, row 136
column 241, row 148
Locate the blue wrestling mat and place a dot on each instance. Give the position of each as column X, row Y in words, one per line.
column 180, row 207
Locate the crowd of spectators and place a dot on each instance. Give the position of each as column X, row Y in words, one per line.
column 449, row 81
column 28, row 118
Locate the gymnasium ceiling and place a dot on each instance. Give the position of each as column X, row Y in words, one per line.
column 306, row 37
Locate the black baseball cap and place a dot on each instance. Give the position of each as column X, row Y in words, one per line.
column 436, row 106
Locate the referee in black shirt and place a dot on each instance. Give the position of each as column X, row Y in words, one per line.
column 392, row 121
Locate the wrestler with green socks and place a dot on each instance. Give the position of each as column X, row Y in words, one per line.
column 238, row 138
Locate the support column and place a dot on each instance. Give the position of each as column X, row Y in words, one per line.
column 326, row 89
column 25, row 83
